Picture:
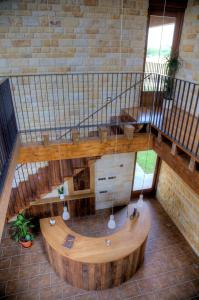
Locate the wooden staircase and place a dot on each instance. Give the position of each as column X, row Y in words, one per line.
column 45, row 180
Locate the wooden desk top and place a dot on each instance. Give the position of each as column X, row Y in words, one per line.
column 94, row 249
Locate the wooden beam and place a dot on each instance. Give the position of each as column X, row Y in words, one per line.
column 86, row 148
column 196, row 158
column 174, row 149
column 5, row 194
column 159, row 138
column 179, row 164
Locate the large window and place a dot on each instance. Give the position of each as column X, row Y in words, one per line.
column 144, row 170
column 160, row 38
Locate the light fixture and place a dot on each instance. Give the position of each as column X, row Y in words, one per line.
column 65, row 215
column 111, row 222
column 140, row 201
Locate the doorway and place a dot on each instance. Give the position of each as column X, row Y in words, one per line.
column 145, row 170
column 159, row 43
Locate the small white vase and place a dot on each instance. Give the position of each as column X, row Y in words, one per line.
column 52, row 221
column 61, row 196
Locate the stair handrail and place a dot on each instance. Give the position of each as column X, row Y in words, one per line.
column 106, row 104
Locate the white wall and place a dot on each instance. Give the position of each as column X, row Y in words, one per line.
column 119, row 188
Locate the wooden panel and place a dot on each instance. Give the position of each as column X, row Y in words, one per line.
column 5, row 194
column 90, row 264
column 170, row 4
column 86, row 148
column 76, row 207
column 66, row 198
column 178, row 164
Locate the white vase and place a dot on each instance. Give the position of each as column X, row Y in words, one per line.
column 61, row 196
column 52, row 221
column 65, row 215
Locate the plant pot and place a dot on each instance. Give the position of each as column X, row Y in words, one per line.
column 26, row 244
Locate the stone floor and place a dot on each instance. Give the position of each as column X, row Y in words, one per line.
column 170, row 270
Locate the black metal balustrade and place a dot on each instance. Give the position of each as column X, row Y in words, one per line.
column 55, row 104
column 8, row 129
column 176, row 112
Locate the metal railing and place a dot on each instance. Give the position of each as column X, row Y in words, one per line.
column 55, row 104
column 176, row 112
column 155, row 67
column 8, row 129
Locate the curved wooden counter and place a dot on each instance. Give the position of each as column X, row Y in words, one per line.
column 91, row 264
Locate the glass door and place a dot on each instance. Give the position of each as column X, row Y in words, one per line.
column 145, row 170
column 159, row 42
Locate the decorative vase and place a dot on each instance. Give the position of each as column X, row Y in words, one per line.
column 61, row 196
column 52, row 221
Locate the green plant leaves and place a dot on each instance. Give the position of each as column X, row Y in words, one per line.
column 21, row 228
column 61, row 190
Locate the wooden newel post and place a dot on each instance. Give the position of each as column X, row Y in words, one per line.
column 46, row 139
column 75, row 136
column 129, row 131
column 103, row 134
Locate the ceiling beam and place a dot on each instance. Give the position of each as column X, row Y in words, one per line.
column 86, row 148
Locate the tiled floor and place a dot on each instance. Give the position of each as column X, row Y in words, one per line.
column 170, row 270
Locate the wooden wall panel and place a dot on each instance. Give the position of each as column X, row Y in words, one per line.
column 90, row 264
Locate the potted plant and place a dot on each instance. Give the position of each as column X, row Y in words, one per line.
column 21, row 230
column 61, row 192
column 173, row 64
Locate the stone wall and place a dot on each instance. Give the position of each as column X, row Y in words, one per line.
column 113, row 179
column 189, row 46
column 71, row 36
column 181, row 203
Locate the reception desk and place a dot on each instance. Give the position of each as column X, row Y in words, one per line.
column 92, row 265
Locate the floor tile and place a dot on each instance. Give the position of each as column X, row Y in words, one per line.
column 170, row 270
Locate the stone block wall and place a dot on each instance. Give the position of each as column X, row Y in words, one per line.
column 189, row 46
column 59, row 36
column 181, row 203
